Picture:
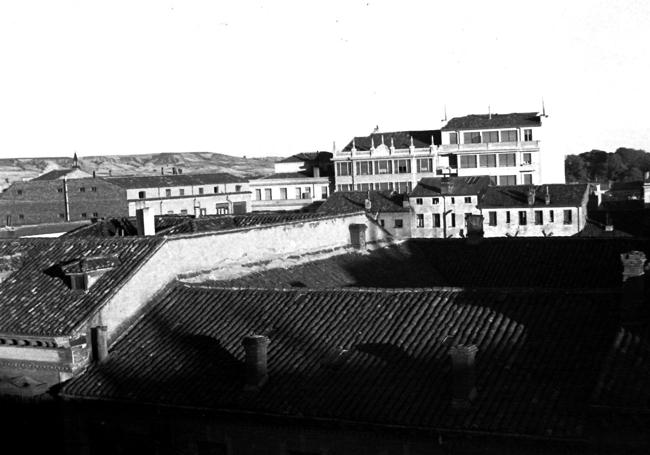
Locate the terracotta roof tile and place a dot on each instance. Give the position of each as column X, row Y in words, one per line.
column 485, row 121
column 452, row 186
column 401, row 140
column 354, row 201
column 159, row 181
column 561, row 195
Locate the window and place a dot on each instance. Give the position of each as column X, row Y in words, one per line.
column 527, row 158
column 467, row 161
column 528, row 179
column 298, row 193
column 142, row 194
column 364, row 186
column 237, row 188
column 567, row 217
column 508, row 217
column 21, row 216
column 268, row 195
column 383, row 167
column 283, row 193
column 222, row 209
column 492, row 218
column 528, row 135
column 403, row 166
column 19, row 192
column 488, row 160
column 452, row 220
column 61, row 215
column 324, row 191
column 399, row 223
column 168, row 193
column 506, row 160
column 82, row 189
column 95, row 215
column 307, row 193
column 507, row 180
column 93, row 189
column 453, row 138
column 258, row 194
column 509, row 136
column 170, row 212
column 346, row 187
column 493, row 179
column 551, row 216
column 385, row 186
column 468, row 199
column 364, row 167
column 201, row 190
column 418, row 201
column 425, row 165
column 183, row 212
column 522, row 218
column 436, row 220
column 216, row 189
column 472, row 138
column 403, row 187
column 539, row 217
column 435, row 201
column 181, row 192
column 83, row 215
column 59, row 190
column 381, row 223
column 344, row 168
column 490, row 136
column 420, row 220
column 453, row 200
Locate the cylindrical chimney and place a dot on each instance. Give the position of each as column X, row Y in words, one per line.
column 98, row 343
column 255, row 361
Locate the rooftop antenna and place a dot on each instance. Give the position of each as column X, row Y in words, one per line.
column 489, row 112
column 543, row 108
column 445, row 119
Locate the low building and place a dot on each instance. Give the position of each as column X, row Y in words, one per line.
column 182, row 194
column 298, row 181
column 535, row 211
column 440, row 205
column 387, row 209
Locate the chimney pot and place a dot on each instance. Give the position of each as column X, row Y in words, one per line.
column 316, row 171
column 98, row 343
column 463, row 385
column 358, row 236
column 255, row 361
column 531, row 196
column 145, row 223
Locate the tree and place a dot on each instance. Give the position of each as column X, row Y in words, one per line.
column 574, row 169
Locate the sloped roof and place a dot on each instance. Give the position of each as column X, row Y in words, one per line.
column 160, row 181
column 596, row 229
column 452, row 186
column 368, row 356
column 36, row 300
column 292, row 175
column 401, row 140
column 58, row 173
column 555, row 262
column 309, row 156
column 354, row 201
column 561, row 195
column 486, row 121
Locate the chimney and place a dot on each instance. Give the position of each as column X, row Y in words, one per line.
column 463, row 382
column 98, row 344
column 110, row 173
column 197, row 211
column 180, row 171
column 474, row 229
column 358, row 236
column 162, row 170
column 255, row 361
column 94, row 175
column 174, row 171
column 316, row 171
column 531, row 196
column 609, row 225
column 145, row 221
column 633, row 311
column 547, row 197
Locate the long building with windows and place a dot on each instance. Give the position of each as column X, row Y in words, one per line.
column 506, row 147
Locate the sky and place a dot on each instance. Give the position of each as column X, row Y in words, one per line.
column 261, row 78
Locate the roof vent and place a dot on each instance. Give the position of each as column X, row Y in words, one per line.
column 82, row 273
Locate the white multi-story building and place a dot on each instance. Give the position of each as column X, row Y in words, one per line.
column 505, row 147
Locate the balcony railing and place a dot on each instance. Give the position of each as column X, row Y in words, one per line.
column 483, row 146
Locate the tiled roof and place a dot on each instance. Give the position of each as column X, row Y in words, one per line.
column 160, row 181
column 54, row 175
column 486, row 121
column 177, row 224
column 401, row 140
column 561, row 195
column 291, row 175
column 354, row 201
column 452, row 186
column 595, row 229
column 635, row 221
column 556, row 262
column 35, row 299
column 368, row 356
column 311, row 156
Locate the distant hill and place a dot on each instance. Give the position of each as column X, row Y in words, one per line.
column 16, row 169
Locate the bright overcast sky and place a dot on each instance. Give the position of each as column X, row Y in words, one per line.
column 275, row 78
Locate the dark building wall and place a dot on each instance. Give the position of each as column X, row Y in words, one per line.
column 37, row 202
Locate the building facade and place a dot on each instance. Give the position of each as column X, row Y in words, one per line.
column 298, row 181
column 440, row 205
column 186, row 194
column 535, row 211
column 503, row 146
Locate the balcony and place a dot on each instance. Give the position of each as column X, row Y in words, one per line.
column 487, row 146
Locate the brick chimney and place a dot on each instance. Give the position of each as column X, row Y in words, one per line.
column 463, row 381
column 633, row 308
column 145, row 221
column 98, row 344
column 531, row 196
column 255, row 361
column 358, row 236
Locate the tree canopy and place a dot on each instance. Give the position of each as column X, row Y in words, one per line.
column 625, row 164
